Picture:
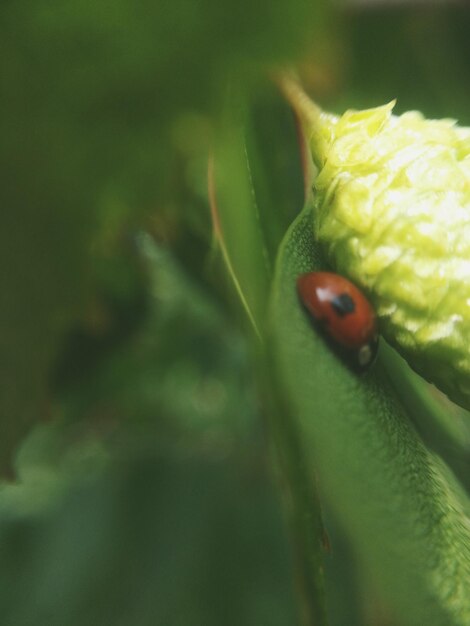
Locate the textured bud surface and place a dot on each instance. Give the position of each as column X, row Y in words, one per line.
column 392, row 200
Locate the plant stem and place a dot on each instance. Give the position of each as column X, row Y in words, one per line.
column 317, row 124
column 306, row 108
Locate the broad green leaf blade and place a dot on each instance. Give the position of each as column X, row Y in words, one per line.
column 404, row 512
column 272, row 141
column 235, row 216
column 255, row 190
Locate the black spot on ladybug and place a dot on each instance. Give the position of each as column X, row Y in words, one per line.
column 343, row 304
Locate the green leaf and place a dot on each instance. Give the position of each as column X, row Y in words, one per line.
column 405, row 514
column 443, row 425
column 235, row 216
column 246, row 238
column 255, row 190
column 192, row 541
column 272, row 142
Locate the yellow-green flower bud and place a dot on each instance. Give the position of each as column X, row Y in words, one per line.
column 392, row 211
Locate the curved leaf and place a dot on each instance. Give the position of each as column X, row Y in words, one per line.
column 404, row 512
column 235, row 217
column 254, row 191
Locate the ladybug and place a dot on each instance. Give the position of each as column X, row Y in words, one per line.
column 343, row 312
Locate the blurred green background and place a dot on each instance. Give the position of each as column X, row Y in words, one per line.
column 140, row 484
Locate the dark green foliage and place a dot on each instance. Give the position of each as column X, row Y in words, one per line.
column 151, row 441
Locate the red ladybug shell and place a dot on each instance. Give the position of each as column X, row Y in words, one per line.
column 342, row 310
